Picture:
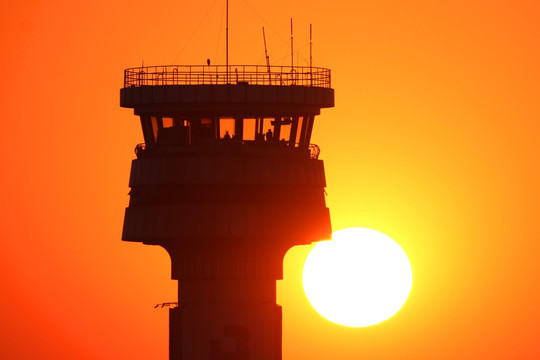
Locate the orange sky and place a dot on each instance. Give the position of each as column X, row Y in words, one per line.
column 433, row 141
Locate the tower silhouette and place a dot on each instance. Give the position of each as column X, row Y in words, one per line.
column 226, row 181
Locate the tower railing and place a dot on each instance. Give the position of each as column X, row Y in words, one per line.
column 313, row 149
column 222, row 75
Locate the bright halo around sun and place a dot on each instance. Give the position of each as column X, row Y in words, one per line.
column 359, row 278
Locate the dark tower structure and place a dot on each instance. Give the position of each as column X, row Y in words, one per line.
column 226, row 181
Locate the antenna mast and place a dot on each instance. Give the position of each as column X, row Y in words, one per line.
column 267, row 57
column 292, row 51
column 310, row 47
column 311, row 53
column 227, row 43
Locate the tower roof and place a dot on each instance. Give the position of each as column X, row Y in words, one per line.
column 221, row 89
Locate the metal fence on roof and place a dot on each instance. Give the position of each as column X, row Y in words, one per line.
column 221, row 75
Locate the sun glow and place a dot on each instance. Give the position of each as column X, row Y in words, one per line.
column 359, row 278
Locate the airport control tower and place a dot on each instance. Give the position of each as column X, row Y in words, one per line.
column 226, row 181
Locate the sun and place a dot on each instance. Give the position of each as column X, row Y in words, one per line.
column 359, row 278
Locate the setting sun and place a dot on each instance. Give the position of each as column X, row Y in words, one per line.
column 360, row 278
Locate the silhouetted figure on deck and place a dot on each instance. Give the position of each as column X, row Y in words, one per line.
column 269, row 135
column 208, row 62
column 227, row 136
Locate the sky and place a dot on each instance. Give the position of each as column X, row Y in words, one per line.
column 433, row 141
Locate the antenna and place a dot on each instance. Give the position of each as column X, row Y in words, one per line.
column 267, row 57
column 310, row 47
column 311, row 53
column 227, row 44
column 292, row 51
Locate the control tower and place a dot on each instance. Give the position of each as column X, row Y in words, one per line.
column 226, row 181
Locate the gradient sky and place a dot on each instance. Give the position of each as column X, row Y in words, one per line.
column 433, row 141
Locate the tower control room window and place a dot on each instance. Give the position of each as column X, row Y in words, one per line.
column 167, row 121
column 155, row 126
column 173, row 131
column 249, row 129
column 291, row 131
column 274, row 129
column 166, row 130
column 203, row 131
column 265, row 129
column 227, row 128
column 282, row 129
column 300, row 130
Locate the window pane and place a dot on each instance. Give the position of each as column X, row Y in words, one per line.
column 167, row 122
column 154, row 127
column 268, row 129
column 299, row 130
column 226, row 126
column 285, row 132
column 249, row 128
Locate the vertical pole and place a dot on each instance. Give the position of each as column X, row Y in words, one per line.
column 311, row 54
column 227, row 43
column 292, row 51
column 267, row 59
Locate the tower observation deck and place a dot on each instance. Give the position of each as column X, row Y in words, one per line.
column 226, row 181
